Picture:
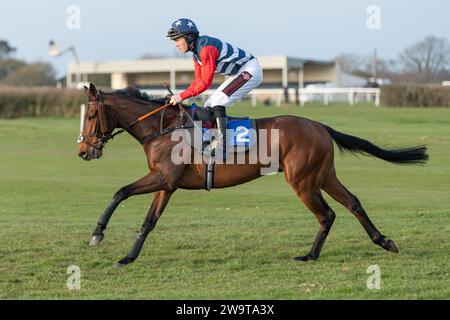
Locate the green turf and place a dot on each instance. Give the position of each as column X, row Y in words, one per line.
column 226, row 244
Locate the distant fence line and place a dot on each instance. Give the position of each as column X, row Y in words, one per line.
column 300, row 95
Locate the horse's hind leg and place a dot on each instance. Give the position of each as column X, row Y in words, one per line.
column 160, row 200
column 336, row 190
column 316, row 203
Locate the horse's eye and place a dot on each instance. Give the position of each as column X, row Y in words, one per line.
column 92, row 116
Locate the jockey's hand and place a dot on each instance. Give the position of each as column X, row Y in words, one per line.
column 175, row 99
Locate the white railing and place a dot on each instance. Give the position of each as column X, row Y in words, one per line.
column 352, row 95
column 324, row 95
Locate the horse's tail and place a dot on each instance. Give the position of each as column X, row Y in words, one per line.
column 350, row 143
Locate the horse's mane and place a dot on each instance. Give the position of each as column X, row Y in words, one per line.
column 135, row 93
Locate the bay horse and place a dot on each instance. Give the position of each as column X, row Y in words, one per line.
column 306, row 156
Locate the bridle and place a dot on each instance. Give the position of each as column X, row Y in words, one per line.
column 107, row 136
column 101, row 126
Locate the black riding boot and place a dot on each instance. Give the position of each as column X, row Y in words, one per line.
column 221, row 119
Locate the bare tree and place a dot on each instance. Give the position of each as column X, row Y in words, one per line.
column 363, row 65
column 425, row 60
column 353, row 63
column 33, row 74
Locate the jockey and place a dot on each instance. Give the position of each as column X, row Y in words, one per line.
column 210, row 56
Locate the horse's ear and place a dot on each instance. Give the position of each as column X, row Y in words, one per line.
column 93, row 90
column 86, row 91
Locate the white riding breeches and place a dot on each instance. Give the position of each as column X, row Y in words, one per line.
column 249, row 76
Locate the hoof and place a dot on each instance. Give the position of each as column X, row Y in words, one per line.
column 96, row 239
column 386, row 244
column 124, row 262
column 390, row 246
column 306, row 258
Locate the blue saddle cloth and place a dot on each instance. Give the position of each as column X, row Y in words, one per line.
column 241, row 132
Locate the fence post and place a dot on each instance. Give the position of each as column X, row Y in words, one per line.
column 377, row 98
column 82, row 112
column 279, row 99
column 253, row 97
column 286, row 94
column 350, row 97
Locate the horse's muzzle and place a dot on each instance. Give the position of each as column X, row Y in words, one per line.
column 84, row 155
column 88, row 152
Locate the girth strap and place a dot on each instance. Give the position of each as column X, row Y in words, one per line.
column 209, row 174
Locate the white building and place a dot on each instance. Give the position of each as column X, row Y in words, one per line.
column 279, row 72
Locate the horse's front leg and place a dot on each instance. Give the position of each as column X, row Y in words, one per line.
column 160, row 200
column 152, row 182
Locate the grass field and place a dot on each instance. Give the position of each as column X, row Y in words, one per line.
column 226, row 244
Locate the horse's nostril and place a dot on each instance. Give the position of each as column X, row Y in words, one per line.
column 82, row 154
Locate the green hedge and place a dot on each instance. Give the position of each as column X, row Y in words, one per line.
column 35, row 102
column 415, row 96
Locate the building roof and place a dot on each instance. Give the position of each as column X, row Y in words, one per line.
column 179, row 64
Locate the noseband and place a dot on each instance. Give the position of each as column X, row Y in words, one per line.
column 101, row 126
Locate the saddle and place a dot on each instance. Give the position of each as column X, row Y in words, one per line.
column 241, row 137
column 206, row 115
column 241, row 130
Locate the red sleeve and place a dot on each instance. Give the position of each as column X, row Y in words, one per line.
column 197, row 78
column 204, row 73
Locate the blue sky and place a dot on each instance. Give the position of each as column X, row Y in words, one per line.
column 120, row 30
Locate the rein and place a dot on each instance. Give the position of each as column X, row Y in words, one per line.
column 141, row 118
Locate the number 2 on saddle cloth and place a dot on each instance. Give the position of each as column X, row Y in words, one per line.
column 240, row 130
